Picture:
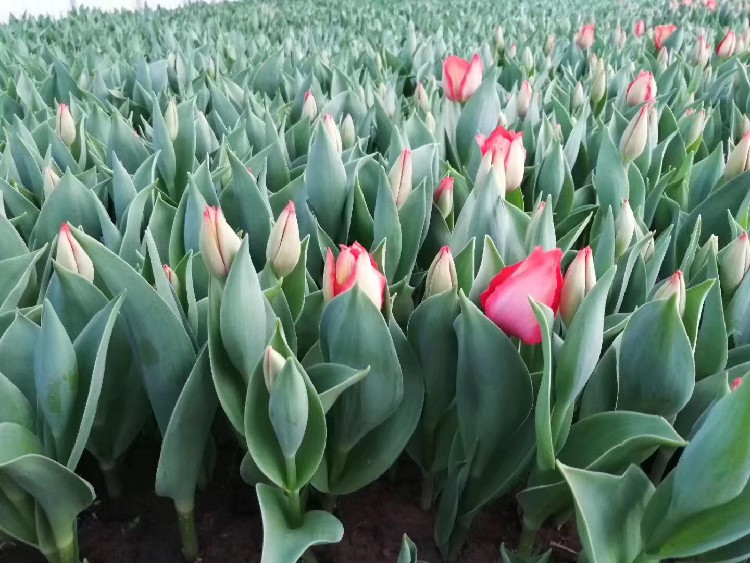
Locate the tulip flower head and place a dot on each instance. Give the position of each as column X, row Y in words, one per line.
column 633, row 140
column 171, row 276
column 738, row 160
column 734, row 263
column 443, row 196
column 219, row 244
column 640, row 28
column 273, row 363
column 711, row 5
column 400, row 178
column 625, row 228
column 642, row 89
column 675, row 285
column 172, row 120
column 585, row 37
column 51, row 179
column 726, row 46
column 701, row 52
column 64, row 124
column 441, row 276
column 662, row 33
column 506, row 300
column 329, row 125
column 422, row 98
column 71, row 256
column 523, row 98
column 506, row 147
column 309, row 107
column 461, row 78
column 284, row 247
column 354, row 266
column 579, row 281
column 348, row 133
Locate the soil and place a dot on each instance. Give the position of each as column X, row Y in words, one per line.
column 141, row 527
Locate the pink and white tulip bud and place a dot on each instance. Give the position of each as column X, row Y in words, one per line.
column 711, row 5
column 662, row 33
column 549, row 44
column 725, row 48
column 71, row 256
column 441, row 276
column 523, row 98
column 333, row 132
column 625, row 227
column 507, row 150
column 50, row 181
column 640, row 28
column 354, row 266
column 579, row 281
column 642, row 89
column 422, row 98
column 499, row 38
column 585, row 37
column 348, row 133
column 663, row 58
column 64, row 124
column 429, row 121
column 739, row 159
column 692, row 124
column 400, row 178
column 443, row 196
column 461, row 78
column 527, row 59
column 744, row 126
column 309, row 107
column 273, row 363
column 219, row 244
column 599, row 82
column 172, row 120
column 578, row 96
column 701, row 52
column 734, row 262
column 736, row 382
column 634, row 138
column 284, row 247
column 171, row 276
column 512, row 50
column 675, row 285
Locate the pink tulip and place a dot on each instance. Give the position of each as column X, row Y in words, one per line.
column 725, row 48
column 640, row 28
column 662, row 33
column 736, row 382
column 354, row 265
column 642, row 89
column 443, row 196
column 71, row 256
column 284, row 247
column 219, row 243
column 506, row 300
column 461, row 78
column 585, row 37
column 711, row 5
column 172, row 278
column 506, row 147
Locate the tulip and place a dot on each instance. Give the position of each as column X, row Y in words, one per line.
column 585, row 37
column 640, row 28
column 499, row 38
column 71, row 256
column 64, row 124
column 734, row 262
column 635, row 136
column 711, row 5
column 461, row 78
column 354, row 265
column 443, row 196
column 642, row 89
column 579, row 281
column 675, row 285
column 219, row 244
column 745, row 126
column 441, row 276
column 429, row 121
column 599, row 82
column 172, row 120
column 51, row 179
column 506, row 147
column 172, row 278
column 692, row 124
column 725, row 48
column 663, row 59
column 506, row 300
column 736, row 382
column 701, row 52
column 523, row 98
column 329, row 125
column 711, row 246
column 648, row 252
column 512, row 51
column 309, row 107
column 348, row 133
column 422, row 98
column 739, row 159
column 662, row 33
column 625, row 227
column 273, row 363
column 621, row 37
column 578, row 96
column 284, row 247
column 400, row 178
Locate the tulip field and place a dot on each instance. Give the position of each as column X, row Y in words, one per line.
column 483, row 263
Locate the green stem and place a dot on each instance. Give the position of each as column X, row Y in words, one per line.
column 428, row 491
column 112, row 481
column 660, row 464
column 526, row 542
column 67, row 553
column 188, row 535
column 295, row 503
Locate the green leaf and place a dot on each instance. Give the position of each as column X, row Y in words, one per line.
column 330, row 380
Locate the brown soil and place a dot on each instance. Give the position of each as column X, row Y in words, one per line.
column 141, row 527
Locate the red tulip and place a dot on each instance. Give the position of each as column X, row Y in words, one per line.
column 711, row 5
column 461, row 78
column 725, row 48
column 662, row 33
column 506, row 147
column 354, row 265
column 506, row 300
column 642, row 89
column 640, row 28
column 585, row 37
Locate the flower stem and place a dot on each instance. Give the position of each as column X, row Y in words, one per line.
column 112, row 481
column 526, row 542
column 188, row 535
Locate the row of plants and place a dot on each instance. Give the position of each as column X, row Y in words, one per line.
column 525, row 270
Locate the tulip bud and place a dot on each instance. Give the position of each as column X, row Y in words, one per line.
column 354, row 266
column 284, row 247
column 648, row 252
column 599, row 82
column 585, row 37
column 64, row 124
column 634, row 138
column 734, row 262
column 348, row 134
column 219, row 244
column 333, row 132
column 642, row 89
column 725, row 48
column 400, row 178
column 675, row 285
column 378, row 60
column 172, row 120
column 620, row 37
column 663, row 58
column 309, row 107
column 549, row 44
column 736, row 382
column 527, row 59
column 172, row 278
column 691, row 125
column 50, row 180
column 429, row 121
column 512, row 51
column 273, row 363
column 578, row 96
column 71, row 256
column 711, row 246
column 640, row 28
column 739, row 159
column 701, row 52
column 441, row 275
column 625, row 227
column 745, row 126
column 523, row 98
column 443, row 196
column 499, row 38
column 422, row 98
column 579, row 281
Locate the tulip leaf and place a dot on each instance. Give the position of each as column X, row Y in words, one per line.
column 330, row 380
